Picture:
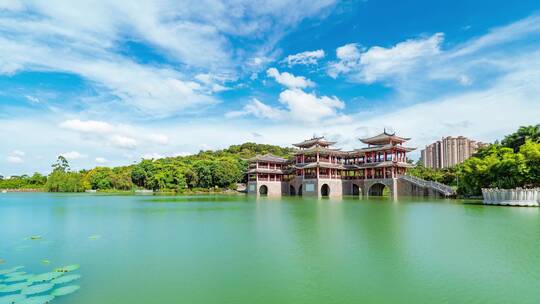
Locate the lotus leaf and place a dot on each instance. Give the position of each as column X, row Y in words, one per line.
column 35, row 237
column 14, row 287
column 10, row 270
column 66, row 279
column 18, row 278
column 62, row 291
column 44, row 277
column 37, row 300
column 12, row 299
column 39, row 288
column 68, row 268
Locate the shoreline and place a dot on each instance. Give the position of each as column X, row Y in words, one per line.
column 23, row 190
column 126, row 192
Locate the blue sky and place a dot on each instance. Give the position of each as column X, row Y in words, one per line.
column 109, row 83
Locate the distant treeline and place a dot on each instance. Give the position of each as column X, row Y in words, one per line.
column 513, row 162
column 205, row 170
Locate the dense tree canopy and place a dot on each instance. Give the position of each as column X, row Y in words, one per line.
column 204, row 170
column 36, row 181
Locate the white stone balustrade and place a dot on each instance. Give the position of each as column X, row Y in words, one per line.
column 512, row 197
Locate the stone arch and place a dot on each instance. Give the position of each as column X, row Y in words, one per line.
column 378, row 189
column 292, row 191
column 263, row 190
column 356, row 191
column 325, row 190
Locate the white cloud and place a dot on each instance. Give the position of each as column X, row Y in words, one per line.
column 348, row 56
column 101, row 160
column 32, row 99
column 117, row 135
column 289, row 80
column 16, row 157
column 258, row 109
column 157, row 138
column 309, row 107
column 379, row 63
column 213, row 83
column 305, row 58
column 72, row 155
column 348, row 52
column 83, row 38
column 123, row 142
column 87, row 126
column 18, row 153
column 300, row 107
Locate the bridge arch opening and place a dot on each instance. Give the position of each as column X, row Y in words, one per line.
column 300, row 190
column 356, row 190
column 263, row 190
column 325, row 190
column 379, row 189
column 292, row 191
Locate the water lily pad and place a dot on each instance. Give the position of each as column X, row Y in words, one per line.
column 35, row 237
column 14, row 287
column 16, row 298
column 45, row 262
column 66, row 279
column 94, row 237
column 62, row 291
column 10, row 270
column 68, row 268
column 39, row 288
column 37, row 300
column 2, row 261
column 18, row 278
column 16, row 273
column 44, row 277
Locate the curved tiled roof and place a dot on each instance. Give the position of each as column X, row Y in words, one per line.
column 383, row 138
column 267, row 158
column 321, row 149
column 314, row 141
column 382, row 147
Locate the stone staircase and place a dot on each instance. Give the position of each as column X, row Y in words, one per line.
column 443, row 189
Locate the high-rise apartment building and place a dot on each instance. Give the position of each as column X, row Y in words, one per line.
column 449, row 151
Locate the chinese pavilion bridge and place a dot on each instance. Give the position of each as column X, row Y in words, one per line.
column 318, row 169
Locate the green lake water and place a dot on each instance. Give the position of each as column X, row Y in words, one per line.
column 235, row 249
